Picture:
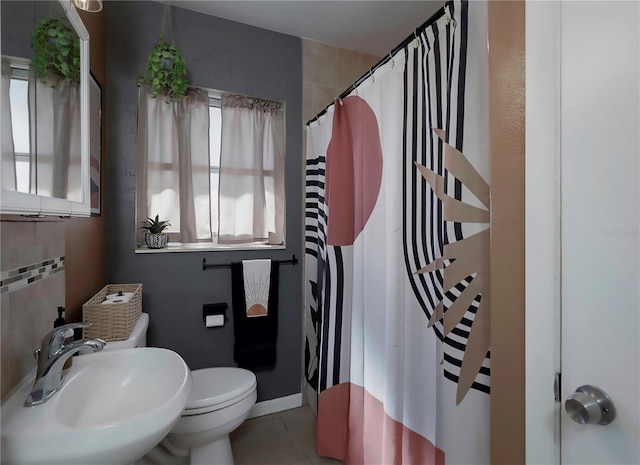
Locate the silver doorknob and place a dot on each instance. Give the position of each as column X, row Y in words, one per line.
column 590, row 405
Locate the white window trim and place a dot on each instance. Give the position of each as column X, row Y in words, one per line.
column 208, row 247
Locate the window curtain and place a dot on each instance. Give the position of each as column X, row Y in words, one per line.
column 251, row 192
column 55, row 151
column 8, row 155
column 173, row 165
column 58, row 141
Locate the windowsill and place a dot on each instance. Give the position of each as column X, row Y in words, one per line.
column 208, row 247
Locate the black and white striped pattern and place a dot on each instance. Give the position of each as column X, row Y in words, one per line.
column 326, row 295
column 334, row 306
column 434, row 97
column 315, row 246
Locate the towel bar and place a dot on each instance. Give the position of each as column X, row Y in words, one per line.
column 205, row 265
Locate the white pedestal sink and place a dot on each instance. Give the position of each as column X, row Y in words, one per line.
column 113, row 408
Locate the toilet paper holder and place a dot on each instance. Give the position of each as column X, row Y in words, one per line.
column 211, row 314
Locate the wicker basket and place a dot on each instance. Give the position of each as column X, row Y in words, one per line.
column 113, row 322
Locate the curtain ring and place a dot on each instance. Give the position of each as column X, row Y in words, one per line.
column 393, row 63
column 373, row 78
column 355, row 89
column 340, row 101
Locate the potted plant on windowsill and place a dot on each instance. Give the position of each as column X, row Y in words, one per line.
column 155, row 238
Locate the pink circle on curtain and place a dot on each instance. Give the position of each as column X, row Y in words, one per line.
column 354, row 170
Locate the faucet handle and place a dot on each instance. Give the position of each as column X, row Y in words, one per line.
column 54, row 339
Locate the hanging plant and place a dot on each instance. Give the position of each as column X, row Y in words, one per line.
column 166, row 72
column 56, row 51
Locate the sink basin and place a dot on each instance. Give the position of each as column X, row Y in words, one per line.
column 113, row 408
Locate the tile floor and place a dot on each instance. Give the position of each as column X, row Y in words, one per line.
column 283, row 438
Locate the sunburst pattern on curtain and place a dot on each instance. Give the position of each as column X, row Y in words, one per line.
column 465, row 259
column 446, row 87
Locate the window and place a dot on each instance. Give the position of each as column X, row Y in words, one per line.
column 43, row 153
column 212, row 164
column 19, row 104
column 20, row 115
column 215, row 131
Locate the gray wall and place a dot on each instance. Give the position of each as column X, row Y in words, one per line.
column 18, row 22
column 222, row 55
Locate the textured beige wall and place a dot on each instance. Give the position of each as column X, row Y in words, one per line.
column 86, row 254
column 326, row 72
column 507, row 118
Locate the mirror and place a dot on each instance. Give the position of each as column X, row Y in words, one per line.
column 45, row 109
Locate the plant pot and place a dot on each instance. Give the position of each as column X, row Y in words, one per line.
column 155, row 241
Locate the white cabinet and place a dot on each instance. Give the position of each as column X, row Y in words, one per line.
column 42, row 193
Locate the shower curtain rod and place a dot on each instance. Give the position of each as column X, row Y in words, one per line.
column 432, row 19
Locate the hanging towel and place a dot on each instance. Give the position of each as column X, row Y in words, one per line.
column 255, row 335
column 257, row 280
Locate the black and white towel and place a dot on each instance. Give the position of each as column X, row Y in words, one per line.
column 254, row 287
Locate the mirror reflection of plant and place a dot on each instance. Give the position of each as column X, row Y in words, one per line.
column 56, row 51
column 166, row 72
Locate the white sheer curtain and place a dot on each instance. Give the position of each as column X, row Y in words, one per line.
column 251, row 192
column 173, row 165
column 41, row 131
column 58, row 148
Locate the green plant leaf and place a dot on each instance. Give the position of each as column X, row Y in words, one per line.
column 56, row 51
column 154, row 225
column 166, row 71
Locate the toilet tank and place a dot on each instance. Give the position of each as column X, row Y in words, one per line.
column 137, row 338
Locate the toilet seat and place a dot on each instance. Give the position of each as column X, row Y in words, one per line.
column 216, row 388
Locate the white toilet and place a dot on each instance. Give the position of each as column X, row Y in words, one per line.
column 220, row 401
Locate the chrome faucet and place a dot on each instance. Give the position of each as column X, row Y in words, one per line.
column 51, row 357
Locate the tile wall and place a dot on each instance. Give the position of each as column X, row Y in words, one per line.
column 32, row 286
column 326, row 72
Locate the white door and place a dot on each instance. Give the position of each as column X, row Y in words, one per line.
column 600, row 267
column 582, row 228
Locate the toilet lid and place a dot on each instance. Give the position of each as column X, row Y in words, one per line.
column 213, row 386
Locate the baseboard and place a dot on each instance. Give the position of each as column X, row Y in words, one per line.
column 275, row 405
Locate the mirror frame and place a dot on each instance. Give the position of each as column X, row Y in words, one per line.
column 21, row 203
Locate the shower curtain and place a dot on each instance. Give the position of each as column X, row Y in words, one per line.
column 397, row 251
